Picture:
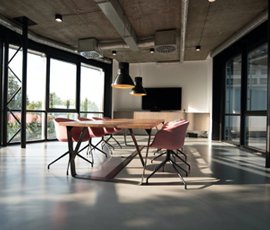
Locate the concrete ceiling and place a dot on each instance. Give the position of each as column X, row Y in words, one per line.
column 132, row 27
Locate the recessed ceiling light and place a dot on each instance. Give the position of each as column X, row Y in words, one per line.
column 198, row 48
column 58, row 18
column 152, row 50
column 113, row 52
column 211, row 0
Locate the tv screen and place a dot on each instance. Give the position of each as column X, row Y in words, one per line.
column 158, row 99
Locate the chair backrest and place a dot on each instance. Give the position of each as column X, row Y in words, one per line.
column 61, row 131
column 93, row 131
column 170, row 124
column 171, row 137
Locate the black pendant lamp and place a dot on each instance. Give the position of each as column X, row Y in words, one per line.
column 123, row 80
column 138, row 90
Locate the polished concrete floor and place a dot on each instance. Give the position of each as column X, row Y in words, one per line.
column 228, row 188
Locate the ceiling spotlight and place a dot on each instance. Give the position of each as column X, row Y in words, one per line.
column 211, row 0
column 113, row 52
column 58, row 18
column 152, row 50
column 198, row 48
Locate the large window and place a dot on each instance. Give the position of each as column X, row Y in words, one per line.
column 233, row 99
column 14, row 94
column 256, row 98
column 58, row 84
column 36, row 81
column 36, row 94
column 62, row 85
column 257, row 79
column 92, row 90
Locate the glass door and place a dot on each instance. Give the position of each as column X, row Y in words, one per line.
column 256, row 118
column 233, row 100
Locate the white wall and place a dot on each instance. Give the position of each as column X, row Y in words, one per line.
column 195, row 78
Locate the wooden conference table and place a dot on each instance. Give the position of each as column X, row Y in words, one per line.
column 130, row 124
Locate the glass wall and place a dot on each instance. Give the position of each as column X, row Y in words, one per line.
column 233, row 100
column 36, row 95
column 52, row 91
column 92, row 91
column 14, row 94
column 245, row 108
column 62, row 85
column 36, row 92
column 256, row 98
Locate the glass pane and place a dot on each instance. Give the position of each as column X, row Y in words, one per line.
column 233, row 85
column 256, row 132
column 50, row 125
column 257, row 79
column 14, row 78
column 232, row 129
column 36, row 81
column 92, row 89
column 14, row 127
column 90, row 115
column 62, row 85
column 34, row 126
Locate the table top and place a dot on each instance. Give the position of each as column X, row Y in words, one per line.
column 121, row 123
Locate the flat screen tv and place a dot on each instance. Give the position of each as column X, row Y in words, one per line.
column 157, row 99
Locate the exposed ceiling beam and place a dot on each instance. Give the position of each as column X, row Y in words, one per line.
column 184, row 14
column 113, row 11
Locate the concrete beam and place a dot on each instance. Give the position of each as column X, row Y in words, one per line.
column 114, row 12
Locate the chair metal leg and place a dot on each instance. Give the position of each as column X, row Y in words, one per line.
column 180, row 176
column 168, row 158
column 116, row 141
column 107, row 143
column 57, row 159
column 65, row 155
column 95, row 147
column 157, row 156
column 91, row 162
column 181, row 151
column 156, row 169
column 92, row 147
column 178, row 166
column 183, row 160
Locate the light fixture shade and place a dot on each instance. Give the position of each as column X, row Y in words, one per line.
column 198, row 48
column 58, row 18
column 123, row 80
column 138, row 90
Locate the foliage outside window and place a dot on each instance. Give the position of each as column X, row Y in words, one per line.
column 92, row 89
column 62, row 94
column 62, row 85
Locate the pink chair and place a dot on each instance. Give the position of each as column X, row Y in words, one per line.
column 109, row 132
column 171, row 138
column 94, row 133
column 61, row 135
column 165, row 126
